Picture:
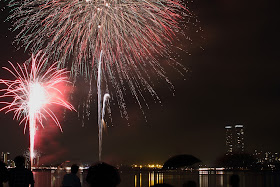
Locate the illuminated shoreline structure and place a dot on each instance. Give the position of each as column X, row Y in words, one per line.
column 235, row 139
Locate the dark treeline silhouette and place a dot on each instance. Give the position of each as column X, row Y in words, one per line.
column 180, row 161
column 237, row 161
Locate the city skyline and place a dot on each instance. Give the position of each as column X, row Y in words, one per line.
column 233, row 78
column 235, row 139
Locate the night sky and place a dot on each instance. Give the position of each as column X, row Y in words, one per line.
column 233, row 78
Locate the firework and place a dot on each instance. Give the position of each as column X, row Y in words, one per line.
column 131, row 34
column 32, row 94
column 127, row 31
column 122, row 38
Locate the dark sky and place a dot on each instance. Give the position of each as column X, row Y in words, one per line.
column 235, row 79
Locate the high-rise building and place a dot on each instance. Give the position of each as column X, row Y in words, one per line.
column 234, row 139
column 229, row 139
column 239, row 142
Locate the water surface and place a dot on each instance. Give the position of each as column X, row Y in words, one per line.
column 177, row 179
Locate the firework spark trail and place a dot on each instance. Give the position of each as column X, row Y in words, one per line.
column 135, row 28
column 102, row 124
column 106, row 97
column 100, row 113
column 33, row 93
column 131, row 34
column 99, row 106
column 128, row 36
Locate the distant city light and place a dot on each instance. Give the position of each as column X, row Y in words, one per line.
column 239, row 126
column 151, row 166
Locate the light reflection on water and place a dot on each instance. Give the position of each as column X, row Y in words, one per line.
column 177, row 179
column 153, row 178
